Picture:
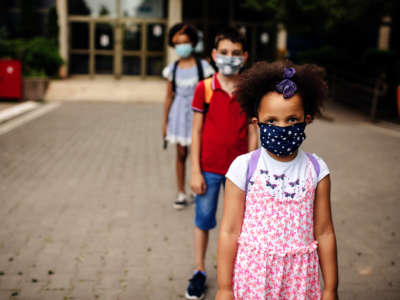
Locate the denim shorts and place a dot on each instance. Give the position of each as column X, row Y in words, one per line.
column 207, row 203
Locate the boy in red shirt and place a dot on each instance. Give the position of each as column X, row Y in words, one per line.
column 220, row 133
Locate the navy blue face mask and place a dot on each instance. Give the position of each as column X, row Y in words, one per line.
column 282, row 141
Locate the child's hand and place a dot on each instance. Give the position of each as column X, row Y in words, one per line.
column 164, row 130
column 224, row 295
column 197, row 184
column 329, row 295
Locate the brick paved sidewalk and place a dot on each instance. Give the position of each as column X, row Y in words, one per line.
column 86, row 193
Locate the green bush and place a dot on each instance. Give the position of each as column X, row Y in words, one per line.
column 52, row 24
column 39, row 56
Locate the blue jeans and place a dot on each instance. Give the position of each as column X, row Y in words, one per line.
column 207, row 203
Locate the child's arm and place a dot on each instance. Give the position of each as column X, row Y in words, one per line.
column 253, row 137
column 167, row 105
column 325, row 235
column 231, row 225
column 197, row 182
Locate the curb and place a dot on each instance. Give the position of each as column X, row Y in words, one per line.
column 17, row 110
column 28, row 116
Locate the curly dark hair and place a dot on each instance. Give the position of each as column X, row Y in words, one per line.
column 263, row 78
column 231, row 34
column 190, row 31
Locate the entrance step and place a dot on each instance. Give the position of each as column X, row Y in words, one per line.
column 107, row 89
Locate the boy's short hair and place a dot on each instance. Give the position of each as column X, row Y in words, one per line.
column 263, row 78
column 231, row 34
column 189, row 30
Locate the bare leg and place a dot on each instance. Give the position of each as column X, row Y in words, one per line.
column 200, row 247
column 182, row 152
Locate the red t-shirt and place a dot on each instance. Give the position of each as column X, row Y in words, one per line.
column 225, row 128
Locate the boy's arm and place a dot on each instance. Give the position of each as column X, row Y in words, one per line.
column 253, row 137
column 167, row 106
column 197, row 182
column 325, row 235
column 231, row 225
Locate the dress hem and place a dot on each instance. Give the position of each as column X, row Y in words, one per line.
column 179, row 140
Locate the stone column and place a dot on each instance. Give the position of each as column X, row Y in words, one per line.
column 174, row 16
column 281, row 42
column 62, row 12
column 384, row 33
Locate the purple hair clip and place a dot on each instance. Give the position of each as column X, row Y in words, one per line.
column 287, row 87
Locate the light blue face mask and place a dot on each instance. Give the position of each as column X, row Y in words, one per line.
column 184, row 50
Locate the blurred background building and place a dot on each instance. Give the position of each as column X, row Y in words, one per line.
column 128, row 37
column 356, row 41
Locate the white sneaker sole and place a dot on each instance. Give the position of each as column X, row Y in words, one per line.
column 193, row 297
column 179, row 206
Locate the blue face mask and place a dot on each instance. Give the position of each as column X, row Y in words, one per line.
column 282, row 141
column 184, row 50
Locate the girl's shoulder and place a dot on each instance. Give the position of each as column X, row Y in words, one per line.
column 207, row 68
column 205, row 63
column 321, row 167
column 237, row 172
column 167, row 71
column 243, row 159
column 317, row 157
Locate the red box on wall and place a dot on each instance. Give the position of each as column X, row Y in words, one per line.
column 10, row 79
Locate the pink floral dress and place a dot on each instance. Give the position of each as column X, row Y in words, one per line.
column 277, row 253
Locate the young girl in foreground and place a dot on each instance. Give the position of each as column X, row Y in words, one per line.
column 276, row 226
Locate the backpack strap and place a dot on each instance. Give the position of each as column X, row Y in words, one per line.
column 200, row 71
column 314, row 162
column 174, row 75
column 208, row 92
column 255, row 155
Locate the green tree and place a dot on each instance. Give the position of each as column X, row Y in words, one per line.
column 329, row 15
column 349, row 25
column 104, row 11
column 78, row 7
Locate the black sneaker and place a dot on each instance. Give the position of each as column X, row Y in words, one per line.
column 197, row 286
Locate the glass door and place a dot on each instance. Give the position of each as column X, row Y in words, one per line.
column 79, row 43
column 143, row 47
column 156, row 36
column 117, row 37
column 104, row 47
column 132, row 48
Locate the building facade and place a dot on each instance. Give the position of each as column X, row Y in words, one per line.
column 129, row 37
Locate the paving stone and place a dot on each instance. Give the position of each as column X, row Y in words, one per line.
column 87, row 192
